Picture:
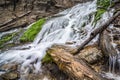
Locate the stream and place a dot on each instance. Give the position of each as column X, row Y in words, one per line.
column 75, row 25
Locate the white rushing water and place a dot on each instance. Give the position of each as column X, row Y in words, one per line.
column 75, row 25
column 114, row 60
column 110, row 76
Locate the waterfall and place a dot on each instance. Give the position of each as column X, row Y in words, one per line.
column 75, row 25
column 114, row 60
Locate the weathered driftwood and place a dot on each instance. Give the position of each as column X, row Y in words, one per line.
column 75, row 69
column 97, row 31
column 15, row 19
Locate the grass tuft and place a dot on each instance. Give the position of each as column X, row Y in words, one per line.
column 47, row 59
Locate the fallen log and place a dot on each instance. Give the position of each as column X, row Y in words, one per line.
column 97, row 31
column 91, row 53
column 67, row 48
column 15, row 19
column 77, row 70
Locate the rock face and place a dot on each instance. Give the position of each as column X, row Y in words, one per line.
column 38, row 8
column 31, row 4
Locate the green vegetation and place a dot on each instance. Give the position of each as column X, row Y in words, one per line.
column 98, row 14
column 103, row 3
column 31, row 33
column 102, row 7
column 6, row 39
column 47, row 59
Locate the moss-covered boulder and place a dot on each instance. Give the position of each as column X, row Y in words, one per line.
column 11, row 39
column 6, row 38
column 31, row 33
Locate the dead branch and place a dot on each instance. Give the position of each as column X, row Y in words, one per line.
column 97, row 31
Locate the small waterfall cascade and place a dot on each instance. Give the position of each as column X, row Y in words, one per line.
column 114, row 60
column 74, row 25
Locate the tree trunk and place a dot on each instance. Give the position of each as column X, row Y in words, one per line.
column 78, row 70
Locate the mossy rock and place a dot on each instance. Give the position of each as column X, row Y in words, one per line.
column 6, row 38
column 47, row 58
column 31, row 33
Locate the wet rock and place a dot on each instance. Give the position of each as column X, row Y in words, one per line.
column 55, row 72
column 65, row 3
column 9, row 67
column 116, row 29
column 10, row 39
column 37, row 77
column 9, row 72
column 10, row 76
column 117, row 22
column 49, row 72
column 106, row 44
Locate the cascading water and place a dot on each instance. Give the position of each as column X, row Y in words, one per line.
column 75, row 25
column 114, row 60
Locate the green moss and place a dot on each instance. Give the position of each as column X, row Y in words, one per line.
column 47, row 59
column 31, row 33
column 6, row 39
